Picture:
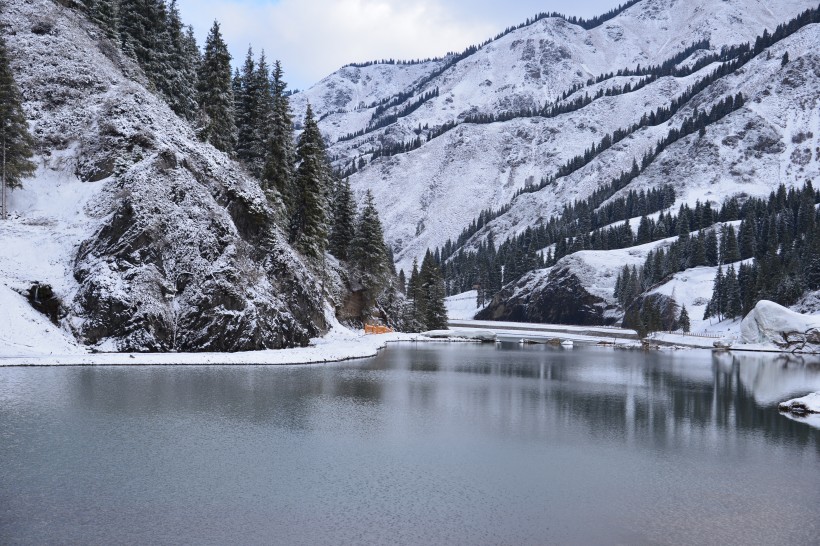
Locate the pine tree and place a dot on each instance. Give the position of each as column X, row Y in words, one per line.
column 432, row 292
column 416, row 294
column 16, row 144
column 731, row 253
column 683, row 320
column 262, row 120
column 179, row 81
column 144, row 35
column 367, row 249
column 698, row 245
column 747, row 239
column 413, row 281
column 245, row 98
column 344, row 221
column 733, row 301
column 278, row 172
column 215, row 93
column 309, row 219
column 104, row 14
column 712, row 254
column 402, row 282
column 715, row 307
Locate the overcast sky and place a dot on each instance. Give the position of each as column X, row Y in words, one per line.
column 313, row 38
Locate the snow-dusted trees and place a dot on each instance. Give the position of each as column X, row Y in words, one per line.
column 245, row 98
column 15, row 141
column 104, row 13
column 153, row 34
column 344, row 221
column 253, row 112
column 278, row 172
column 178, row 80
column 309, row 220
column 683, row 320
column 142, row 29
column 430, row 290
column 367, row 249
column 425, row 290
column 215, row 93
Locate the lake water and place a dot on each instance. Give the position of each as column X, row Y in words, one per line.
column 424, row 444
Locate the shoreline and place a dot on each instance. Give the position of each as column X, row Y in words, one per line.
column 338, row 346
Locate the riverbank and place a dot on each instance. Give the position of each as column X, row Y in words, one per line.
column 339, row 345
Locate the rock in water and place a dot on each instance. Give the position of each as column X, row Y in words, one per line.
column 802, row 406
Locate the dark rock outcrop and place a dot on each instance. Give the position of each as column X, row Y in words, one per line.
column 558, row 297
column 42, row 297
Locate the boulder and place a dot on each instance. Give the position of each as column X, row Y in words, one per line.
column 772, row 324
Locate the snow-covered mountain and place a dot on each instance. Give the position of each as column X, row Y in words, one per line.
column 430, row 194
column 150, row 239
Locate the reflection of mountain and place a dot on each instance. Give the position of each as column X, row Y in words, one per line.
column 658, row 399
column 653, row 397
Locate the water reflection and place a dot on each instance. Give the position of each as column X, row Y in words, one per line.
column 443, row 443
column 649, row 397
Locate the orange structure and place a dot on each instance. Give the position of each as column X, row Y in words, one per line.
column 376, row 329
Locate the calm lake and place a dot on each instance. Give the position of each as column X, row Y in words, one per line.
column 424, row 444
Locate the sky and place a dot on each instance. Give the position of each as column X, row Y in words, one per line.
column 313, row 38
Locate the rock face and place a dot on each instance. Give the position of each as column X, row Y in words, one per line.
column 557, row 297
column 772, row 324
column 186, row 252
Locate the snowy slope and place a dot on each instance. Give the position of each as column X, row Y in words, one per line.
column 151, row 239
column 446, row 182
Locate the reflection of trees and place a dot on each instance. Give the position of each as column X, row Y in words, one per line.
column 657, row 398
column 633, row 394
column 279, row 395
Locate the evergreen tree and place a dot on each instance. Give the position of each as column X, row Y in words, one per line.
column 733, row 302
column 417, row 296
column 731, row 252
column 747, row 239
column 104, row 14
column 402, row 282
column 245, row 98
column 712, row 254
column 179, row 81
column 309, row 219
column 144, row 35
column 715, row 307
column 683, row 320
column 367, row 249
column 278, row 173
column 262, row 120
column 432, row 294
column 344, row 221
column 215, row 93
column 16, row 144
column 413, row 281
column 698, row 250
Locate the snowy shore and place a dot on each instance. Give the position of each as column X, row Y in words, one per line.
column 339, row 345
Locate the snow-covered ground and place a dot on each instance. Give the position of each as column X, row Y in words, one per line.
column 48, row 219
column 340, row 344
column 462, row 306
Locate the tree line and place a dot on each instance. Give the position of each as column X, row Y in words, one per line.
column 570, row 233
column 774, row 254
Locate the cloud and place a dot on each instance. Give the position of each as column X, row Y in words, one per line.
column 313, row 38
